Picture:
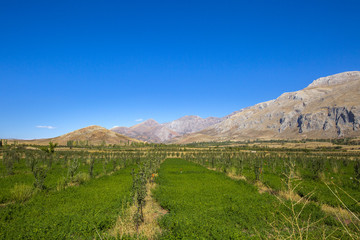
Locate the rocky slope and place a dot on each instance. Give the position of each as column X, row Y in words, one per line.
column 94, row 135
column 149, row 130
column 328, row 108
column 152, row 131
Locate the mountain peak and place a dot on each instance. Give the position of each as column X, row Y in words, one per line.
column 335, row 79
column 189, row 117
column 327, row 108
column 150, row 122
column 93, row 127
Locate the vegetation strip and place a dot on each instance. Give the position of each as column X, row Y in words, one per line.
column 72, row 213
column 209, row 205
column 37, row 183
column 339, row 212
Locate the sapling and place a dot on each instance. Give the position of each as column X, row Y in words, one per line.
column 31, row 160
column 317, row 165
column 357, row 173
column 91, row 166
column 40, row 175
column 258, row 168
column 139, row 193
column 74, row 165
column 9, row 161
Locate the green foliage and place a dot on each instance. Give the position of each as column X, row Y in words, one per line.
column 204, row 204
column 61, row 184
column 81, row 178
column 40, row 175
column 91, row 167
column 74, row 213
column 73, row 167
column 49, row 149
column 31, row 160
column 70, row 144
column 21, row 193
column 139, row 193
column 357, row 173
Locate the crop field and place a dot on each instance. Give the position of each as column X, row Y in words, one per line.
column 203, row 192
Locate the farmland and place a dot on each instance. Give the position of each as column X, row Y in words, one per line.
column 207, row 192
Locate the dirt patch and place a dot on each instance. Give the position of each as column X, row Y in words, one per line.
column 150, row 228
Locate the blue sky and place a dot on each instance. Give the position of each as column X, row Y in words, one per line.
column 71, row 64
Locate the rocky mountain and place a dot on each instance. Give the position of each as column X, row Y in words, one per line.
column 152, row 131
column 94, row 135
column 149, row 130
column 328, row 108
column 189, row 124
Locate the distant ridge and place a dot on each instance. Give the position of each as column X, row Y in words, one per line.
column 328, row 108
column 152, row 131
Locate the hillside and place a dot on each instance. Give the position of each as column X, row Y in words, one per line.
column 328, row 108
column 94, row 135
column 152, row 131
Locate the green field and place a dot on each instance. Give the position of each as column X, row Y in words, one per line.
column 208, row 193
column 76, row 212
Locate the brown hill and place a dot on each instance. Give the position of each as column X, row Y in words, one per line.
column 94, row 135
column 327, row 108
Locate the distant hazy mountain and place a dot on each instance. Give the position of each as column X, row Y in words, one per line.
column 152, row 131
column 328, row 108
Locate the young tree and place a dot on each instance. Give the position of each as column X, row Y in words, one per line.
column 40, row 175
column 70, row 144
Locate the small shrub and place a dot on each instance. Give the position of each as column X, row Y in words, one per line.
column 233, row 171
column 40, row 175
column 21, row 192
column 61, row 184
column 73, row 167
column 81, row 178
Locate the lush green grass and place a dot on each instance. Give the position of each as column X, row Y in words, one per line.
column 23, row 175
column 274, row 178
column 204, row 204
column 76, row 212
column 321, row 192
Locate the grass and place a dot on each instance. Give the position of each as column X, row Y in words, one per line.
column 80, row 212
column 204, row 204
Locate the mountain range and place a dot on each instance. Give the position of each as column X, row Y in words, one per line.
column 328, row 108
column 152, row 131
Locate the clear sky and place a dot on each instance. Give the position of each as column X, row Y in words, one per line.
column 71, row 64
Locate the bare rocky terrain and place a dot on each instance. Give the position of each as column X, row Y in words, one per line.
column 328, row 108
column 152, row 131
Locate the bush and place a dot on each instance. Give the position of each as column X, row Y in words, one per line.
column 40, row 175
column 81, row 178
column 61, row 184
column 21, row 192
